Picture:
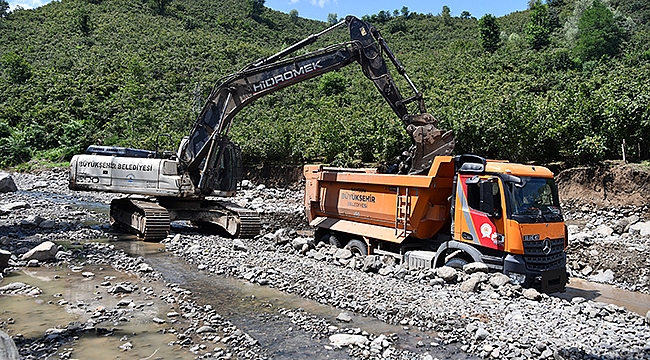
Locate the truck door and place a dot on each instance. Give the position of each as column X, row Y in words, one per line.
column 479, row 211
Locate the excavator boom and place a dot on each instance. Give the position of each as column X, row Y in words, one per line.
column 204, row 147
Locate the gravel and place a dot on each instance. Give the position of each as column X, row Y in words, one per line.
column 481, row 313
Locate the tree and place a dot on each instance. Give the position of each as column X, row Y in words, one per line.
column 4, row 8
column 160, row 6
column 16, row 69
column 256, row 7
column 446, row 14
column 598, row 33
column 538, row 29
column 332, row 18
column 293, row 15
column 489, row 32
column 465, row 14
column 405, row 12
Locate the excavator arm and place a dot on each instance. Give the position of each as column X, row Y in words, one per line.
column 208, row 140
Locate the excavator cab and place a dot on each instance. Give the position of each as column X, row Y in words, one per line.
column 230, row 170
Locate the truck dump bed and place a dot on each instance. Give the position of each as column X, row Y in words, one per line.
column 380, row 206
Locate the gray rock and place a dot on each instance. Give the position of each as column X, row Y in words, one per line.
column 647, row 317
column 470, row 284
column 641, row 228
column 158, row 320
column 604, row 230
column 43, row 252
column 581, row 236
column 8, row 349
column 532, row 294
column 13, row 286
column 145, row 268
column 587, row 270
column 14, row 206
column 205, row 329
column 281, row 237
column 448, row 274
column 4, row 259
column 33, row 263
column 343, row 254
column 62, row 255
column 348, row 339
column 475, row 267
column 344, row 317
column 601, row 276
column 124, row 303
column 32, row 220
column 482, row 334
column 497, row 280
column 573, row 229
column 47, row 224
column 299, row 243
column 372, row 263
column 546, row 354
column 7, row 183
column 387, row 270
column 120, row 289
column 239, row 245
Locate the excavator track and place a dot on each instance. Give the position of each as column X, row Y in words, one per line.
column 249, row 220
column 146, row 219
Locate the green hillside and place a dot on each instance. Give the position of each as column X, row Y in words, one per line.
column 563, row 81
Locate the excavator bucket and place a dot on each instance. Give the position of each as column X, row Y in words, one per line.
column 428, row 141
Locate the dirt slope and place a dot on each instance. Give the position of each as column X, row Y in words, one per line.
column 605, row 185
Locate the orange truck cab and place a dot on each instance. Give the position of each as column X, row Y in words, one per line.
column 465, row 209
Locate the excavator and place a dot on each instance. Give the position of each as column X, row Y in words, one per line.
column 192, row 183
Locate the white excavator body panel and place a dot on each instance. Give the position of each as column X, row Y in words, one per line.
column 130, row 175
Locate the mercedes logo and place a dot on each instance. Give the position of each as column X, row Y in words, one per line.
column 546, row 246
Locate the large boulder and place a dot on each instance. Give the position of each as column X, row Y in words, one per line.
column 372, row 263
column 475, row 267
column 8, row 349
column 448, row 274
column 347, row 340
column 7, row 183
column 471, row 284
column 42, row 252
column 641, row 228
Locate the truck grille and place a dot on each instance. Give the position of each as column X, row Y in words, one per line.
column 535, row 258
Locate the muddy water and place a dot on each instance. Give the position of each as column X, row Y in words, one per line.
column 632, row 301
column 256, row 310
column 34, row 315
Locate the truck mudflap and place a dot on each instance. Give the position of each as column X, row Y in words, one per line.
column 554, row 280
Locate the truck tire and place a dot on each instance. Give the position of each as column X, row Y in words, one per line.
column 357, row 247
column 329, row 238
column 457, row 263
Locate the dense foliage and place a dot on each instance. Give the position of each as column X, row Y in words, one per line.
column 564, row 81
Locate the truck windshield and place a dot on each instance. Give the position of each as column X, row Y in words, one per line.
column 533, row 200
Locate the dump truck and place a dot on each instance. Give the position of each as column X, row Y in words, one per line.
column 464, row 209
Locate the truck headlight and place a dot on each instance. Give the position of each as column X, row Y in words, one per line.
column 517, row 278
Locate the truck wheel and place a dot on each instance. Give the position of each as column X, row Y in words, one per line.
column 357, row 247
column 333, row 240
column 330, row 239
column 456, row 263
